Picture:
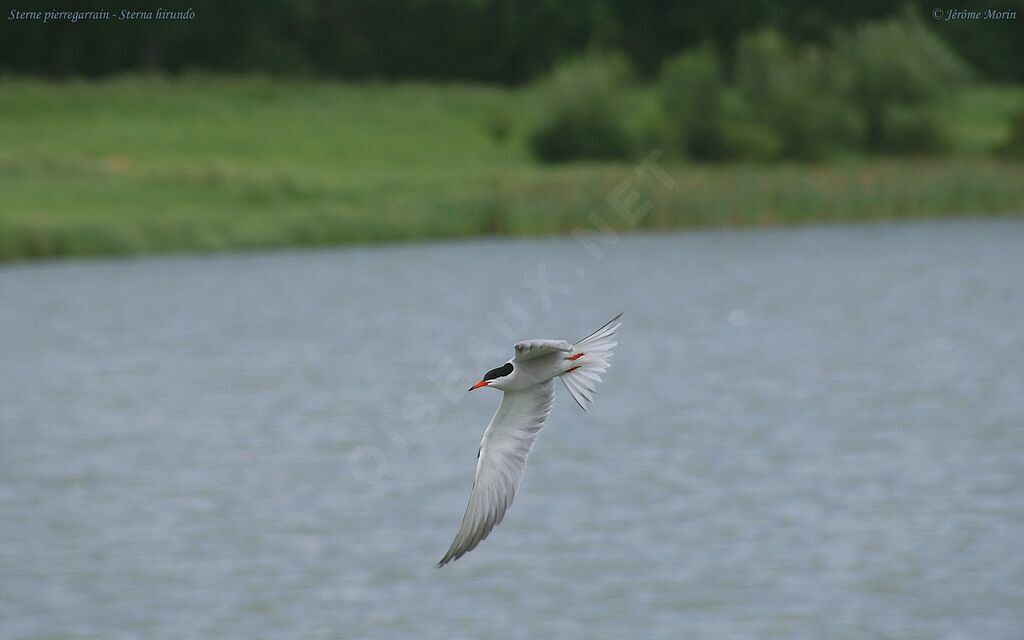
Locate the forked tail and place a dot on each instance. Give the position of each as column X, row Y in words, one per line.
column 588, row 360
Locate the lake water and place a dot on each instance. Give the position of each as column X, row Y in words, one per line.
column 805, row 433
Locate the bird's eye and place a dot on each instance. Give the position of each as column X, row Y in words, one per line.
column 499, row 372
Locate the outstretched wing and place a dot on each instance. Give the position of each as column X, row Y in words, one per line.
column 530, row 349
column 501, row 462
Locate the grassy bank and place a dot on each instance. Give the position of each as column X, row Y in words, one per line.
column 135, row 165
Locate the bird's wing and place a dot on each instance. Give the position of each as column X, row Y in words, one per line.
column 529, row 349
column 501, row 462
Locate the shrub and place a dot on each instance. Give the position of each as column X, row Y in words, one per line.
column 691, row 95
column 795, row 96
column 584, row 113
column 898, row 61
column 909, row 130
column 744, row 138
column 762, row 62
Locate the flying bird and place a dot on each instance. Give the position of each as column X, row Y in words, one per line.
column 528, row 385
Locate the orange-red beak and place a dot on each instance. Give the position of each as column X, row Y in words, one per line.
column 482, row 383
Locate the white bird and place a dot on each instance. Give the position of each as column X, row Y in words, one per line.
column 528, row 383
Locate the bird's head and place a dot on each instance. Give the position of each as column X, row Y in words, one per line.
column 496, row 378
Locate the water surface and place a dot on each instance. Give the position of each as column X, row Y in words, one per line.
column 805, row 433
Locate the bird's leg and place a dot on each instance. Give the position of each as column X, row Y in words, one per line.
column 575, row 356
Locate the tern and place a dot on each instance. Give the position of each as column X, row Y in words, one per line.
column 528, row 385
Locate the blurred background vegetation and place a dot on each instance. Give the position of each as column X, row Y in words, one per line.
column 304, row 122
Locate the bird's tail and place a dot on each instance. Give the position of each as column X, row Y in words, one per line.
column 589, row 359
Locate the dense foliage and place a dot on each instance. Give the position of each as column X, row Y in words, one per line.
column 584, row 114
column 873, row 88
column 506, row 41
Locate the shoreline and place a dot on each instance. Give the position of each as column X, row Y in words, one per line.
column 440, row 240
column 132, row 166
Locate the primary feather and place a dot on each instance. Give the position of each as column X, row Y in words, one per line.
column 501, row 463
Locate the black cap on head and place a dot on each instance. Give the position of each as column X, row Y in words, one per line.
column 500, row 372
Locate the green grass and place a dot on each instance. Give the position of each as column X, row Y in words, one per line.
column 140, row 164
